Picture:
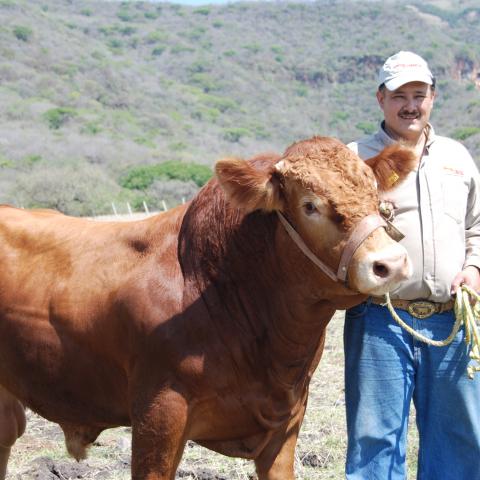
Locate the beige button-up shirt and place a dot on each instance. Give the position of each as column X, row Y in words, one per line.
column 437, row 208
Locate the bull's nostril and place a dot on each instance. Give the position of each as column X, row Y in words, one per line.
column 381, row 270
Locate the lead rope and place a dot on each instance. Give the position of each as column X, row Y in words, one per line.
column 465, row 315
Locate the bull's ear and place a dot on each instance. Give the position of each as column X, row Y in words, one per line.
column 392, row 165
column 247, row 187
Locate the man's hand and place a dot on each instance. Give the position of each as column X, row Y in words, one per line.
column 469, row 276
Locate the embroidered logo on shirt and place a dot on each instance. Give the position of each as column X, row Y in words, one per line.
column 453, row 171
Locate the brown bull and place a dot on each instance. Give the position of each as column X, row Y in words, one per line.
column 205, row 322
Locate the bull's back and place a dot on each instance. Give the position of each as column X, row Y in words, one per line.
column 45, row 255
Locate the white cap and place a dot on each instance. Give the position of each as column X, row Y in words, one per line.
column 402, row 68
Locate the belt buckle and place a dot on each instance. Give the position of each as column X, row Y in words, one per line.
column 421, row 308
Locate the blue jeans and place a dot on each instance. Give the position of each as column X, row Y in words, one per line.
column 384, row 369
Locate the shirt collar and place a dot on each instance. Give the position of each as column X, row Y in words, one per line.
column 383, row 137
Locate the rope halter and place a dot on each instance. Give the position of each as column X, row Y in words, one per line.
column 465, row 314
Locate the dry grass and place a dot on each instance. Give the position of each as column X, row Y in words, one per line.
column 40, row 453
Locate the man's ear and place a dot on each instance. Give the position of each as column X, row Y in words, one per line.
column 380, row 98
column 246, row 187
column 392, row 165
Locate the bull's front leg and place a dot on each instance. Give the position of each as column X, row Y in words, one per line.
column 158, row 435
column 276, row 462
column 12, row 426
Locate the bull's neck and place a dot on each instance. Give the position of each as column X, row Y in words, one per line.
column 254, row 280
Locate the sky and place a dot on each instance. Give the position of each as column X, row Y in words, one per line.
column 204, row 2
column 201, row 2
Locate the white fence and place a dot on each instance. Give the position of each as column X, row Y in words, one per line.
column 130, row 215
column 127, row 217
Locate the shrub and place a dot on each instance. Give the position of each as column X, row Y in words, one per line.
column 5, row 162
column 172, row 192
column 473, row 105
column 301, row 91
column 176, row 116
column 202, row 11
column 56, row 117
column 366, row 127
column 157, row 51
column 107, row 30
column 140, row 178
column 195, row 33
column 465, row 132
column 178, row 48
column 124, row 16
column 446, row 15
column 147, row 142
column 32, row 159
column 128, row 30
column 235, row 134
column 253, row 47
column 199, row 66
column 75, row 190
column 155, row 37
column 341, row 116
column 115, row 44
column 91, row 128
column 22, row 33
column 220, row 103
column 177, row 146
column 258, row 130
column 206, row 114
column 204, row 81
column 151, row 15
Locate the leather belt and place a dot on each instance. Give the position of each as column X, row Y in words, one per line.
column 417, row 308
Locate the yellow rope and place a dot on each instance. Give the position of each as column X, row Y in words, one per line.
column 465, row 315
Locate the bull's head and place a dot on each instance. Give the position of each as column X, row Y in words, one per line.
column 326, row 191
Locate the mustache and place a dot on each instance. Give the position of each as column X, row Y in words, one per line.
column 409, row 112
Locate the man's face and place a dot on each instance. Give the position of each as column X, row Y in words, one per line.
column 406, row 110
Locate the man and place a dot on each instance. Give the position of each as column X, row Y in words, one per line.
column 438, row 210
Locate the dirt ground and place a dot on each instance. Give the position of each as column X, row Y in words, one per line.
column 40, row 454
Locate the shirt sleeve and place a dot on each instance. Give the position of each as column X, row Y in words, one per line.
column 472, row 219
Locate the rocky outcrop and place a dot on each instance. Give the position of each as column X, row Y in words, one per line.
column 466, row 69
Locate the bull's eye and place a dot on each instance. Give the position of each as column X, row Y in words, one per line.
column 338, row 218
column 309, row 208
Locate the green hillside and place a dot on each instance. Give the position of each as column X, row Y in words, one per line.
column 93, row 92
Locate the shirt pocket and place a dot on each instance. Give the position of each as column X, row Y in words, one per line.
column 455, row 197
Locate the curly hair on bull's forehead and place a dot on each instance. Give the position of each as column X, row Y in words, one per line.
column 335, row 173
column 310, row 145
column 313, row 164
